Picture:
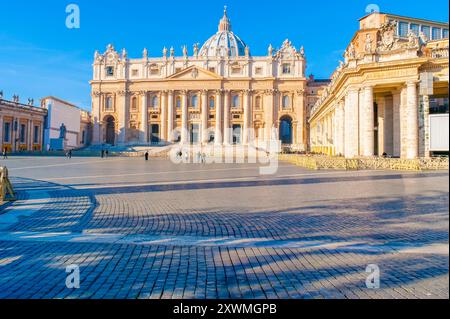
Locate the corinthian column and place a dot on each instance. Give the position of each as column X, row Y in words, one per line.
column 205, row 116
column 412, row 129
column 246, row 133
column 226, row 118
column 163, row 136
column 218, row 133
column 96, row 105
column 368, row 130
column 123, row 110
column 144, row 119
column 184, row 119
column 170, row 117
column 269, row 110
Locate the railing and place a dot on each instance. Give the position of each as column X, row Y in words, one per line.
column 6, row 189
column 439, row 53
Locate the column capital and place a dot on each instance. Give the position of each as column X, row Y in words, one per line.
column 123, row 93
column 353, row 89
column 412, row 82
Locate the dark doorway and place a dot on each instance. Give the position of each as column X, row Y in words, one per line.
column 286, row 130
column 194, row 133
column 154, row 130
column 237, row 132
column 110, row 131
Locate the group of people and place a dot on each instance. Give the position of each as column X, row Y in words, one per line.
column 69, row 154
column 105, row 154
column 201, row 157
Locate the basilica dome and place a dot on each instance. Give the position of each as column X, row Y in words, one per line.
column 224, row 42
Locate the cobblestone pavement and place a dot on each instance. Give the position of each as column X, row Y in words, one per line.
column 158, row 230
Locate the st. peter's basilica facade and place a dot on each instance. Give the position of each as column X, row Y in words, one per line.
column 219, row 94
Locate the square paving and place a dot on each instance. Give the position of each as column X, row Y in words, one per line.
column 157, row 230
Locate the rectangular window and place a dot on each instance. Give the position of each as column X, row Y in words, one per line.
column 36, row 135
column 427, row 31
column 445, row 34
column 436, row 35
column 135, row 73
column 414, row 28
column 403, row 29
column 7, row 132
column 213, row 70
column 258, row 71
column 155, row 71
column 286, row 68
column 22, row 133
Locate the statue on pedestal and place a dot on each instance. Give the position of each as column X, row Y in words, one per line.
column 62, row 131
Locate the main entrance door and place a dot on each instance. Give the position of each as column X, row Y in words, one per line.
column 286, row 130
column 110, row 130
column 154, row 131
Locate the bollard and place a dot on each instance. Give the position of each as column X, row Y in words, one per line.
column 6, row 189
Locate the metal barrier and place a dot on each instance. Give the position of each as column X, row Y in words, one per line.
column 6, row 189
column 317, row 162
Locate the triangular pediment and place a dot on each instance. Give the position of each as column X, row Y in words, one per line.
column 194, row 73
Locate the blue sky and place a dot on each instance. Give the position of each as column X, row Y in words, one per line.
column 39, row 56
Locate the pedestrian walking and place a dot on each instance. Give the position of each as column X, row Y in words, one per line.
column 106, row 153
column 103, row 154
column 5, row 153
column 70, row 154
column 146, row 156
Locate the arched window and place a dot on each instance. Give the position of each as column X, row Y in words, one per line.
column 108, row 103
column 178, row 102
column 212, row 102
column 134, row 103
column 194, row 101
column 258, row 102
column 235, row 101
column 286, row 102
column 154, row 103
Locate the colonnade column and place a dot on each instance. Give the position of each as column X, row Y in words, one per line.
column 341, row 128
column 351, row 123
column 205, row 107
column 184, row 119
column 426, row 125
column 1, row 133
column 29, row 146
column 368, row 129
column 218, row 133
column 170, row 117
column 143, row 138
column 163, row 110
column 226, row 118
column 412, row 129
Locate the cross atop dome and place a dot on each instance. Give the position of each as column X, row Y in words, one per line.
column 225, row 24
